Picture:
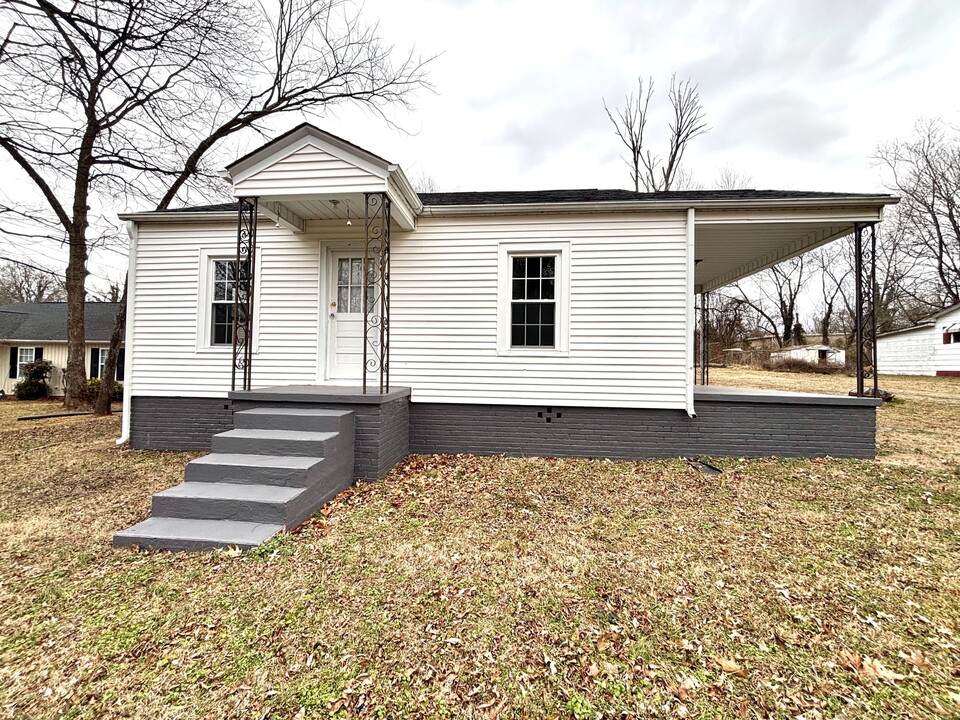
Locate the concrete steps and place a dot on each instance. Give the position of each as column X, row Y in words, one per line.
column 273, row 471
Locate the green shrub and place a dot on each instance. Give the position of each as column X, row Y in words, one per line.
column 33, row 386
column 91, row 389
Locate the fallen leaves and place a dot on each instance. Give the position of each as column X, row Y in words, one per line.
column 868, row 669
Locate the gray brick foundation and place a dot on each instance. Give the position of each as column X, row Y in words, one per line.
column 161, row 423
column 721, row 428
column 388, row 429
column 382, row 437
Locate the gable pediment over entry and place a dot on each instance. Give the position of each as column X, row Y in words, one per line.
column 308, row 164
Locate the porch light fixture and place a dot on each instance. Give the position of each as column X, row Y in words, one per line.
column 348, row 213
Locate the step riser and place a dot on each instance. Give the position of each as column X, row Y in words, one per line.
column 176, row 544
column 272, row 446
column 191, row 508
column 338, row 465
column 250, row 475
column 279, row 421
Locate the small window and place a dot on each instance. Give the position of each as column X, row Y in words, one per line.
column 224, row 294
column 25, row 356
column 350, row 285
column 955, row 336
column 533, row 301
column 822, row 355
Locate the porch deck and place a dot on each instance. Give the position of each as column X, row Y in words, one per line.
column 722, row 393
column 348, row 394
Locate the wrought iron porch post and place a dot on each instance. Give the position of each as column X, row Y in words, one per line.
column 704, row 338
column 376, row 290
column 243, row 295
column 865, row 271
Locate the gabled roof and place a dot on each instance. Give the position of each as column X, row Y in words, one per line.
column 537, row 197
column 48, row 321
column 926, row 322
column 302, row 130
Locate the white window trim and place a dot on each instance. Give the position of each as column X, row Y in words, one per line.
column 504, row 295
column 33, row 356
column 205, row 297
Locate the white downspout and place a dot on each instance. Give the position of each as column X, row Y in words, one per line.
column 691, row 320
column 128, row 332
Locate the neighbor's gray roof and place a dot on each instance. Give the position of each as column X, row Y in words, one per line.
column 531, row 197
column 48, row 321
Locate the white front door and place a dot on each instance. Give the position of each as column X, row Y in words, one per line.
column 345, row 316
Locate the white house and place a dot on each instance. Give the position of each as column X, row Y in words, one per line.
column 383, row 321
column 931, row 347
column 38, row 331
column 816, row 354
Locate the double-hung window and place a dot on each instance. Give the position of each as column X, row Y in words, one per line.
column 25, row 356
column 534, row 298
column 533, row 301
column 224, row 295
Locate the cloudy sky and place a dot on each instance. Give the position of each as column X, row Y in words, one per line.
column 797, row 93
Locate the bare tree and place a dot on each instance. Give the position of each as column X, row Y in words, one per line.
column 925, row 172
column 653, row 171
column 774, row 295
column 25, row 283
column 729, row 178
column 134, row 99
column 426, row 183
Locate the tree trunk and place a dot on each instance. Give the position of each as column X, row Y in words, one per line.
column 75, row 374
column 109, row 375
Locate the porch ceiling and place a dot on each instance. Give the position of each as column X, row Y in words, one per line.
column 730, row 246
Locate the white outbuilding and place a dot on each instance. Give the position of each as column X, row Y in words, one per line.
column 817, row 354
column 931, row 347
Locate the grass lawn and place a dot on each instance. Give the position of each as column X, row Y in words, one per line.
column 495, row 587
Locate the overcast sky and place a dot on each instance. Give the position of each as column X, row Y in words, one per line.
column 797, row 93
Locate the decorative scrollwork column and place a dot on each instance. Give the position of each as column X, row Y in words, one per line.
column 243, row 299
column 865, row 271
column 704, row 338
column 376, row 291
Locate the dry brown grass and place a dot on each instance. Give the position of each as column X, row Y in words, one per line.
column 496, row 587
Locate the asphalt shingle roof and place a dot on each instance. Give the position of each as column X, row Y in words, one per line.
column 48, row 321
column 526, row 197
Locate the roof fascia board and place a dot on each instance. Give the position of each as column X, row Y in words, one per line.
column 648, row 206
column 398, row 176
column 306, row 137
column 182, row 216
column 931, row 324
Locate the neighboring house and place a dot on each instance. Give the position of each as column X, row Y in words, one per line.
column 556, row 323
column 811, row 353
column 931, row 347
column 38, row 331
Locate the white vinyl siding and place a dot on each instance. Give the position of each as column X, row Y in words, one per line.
column 309, row 170
column 910, row 352
column 626, row 312
column 166, row 358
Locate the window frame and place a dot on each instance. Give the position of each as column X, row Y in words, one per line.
column 205, row 280
column 20, row 363
column 507, row 251
column 214, row 303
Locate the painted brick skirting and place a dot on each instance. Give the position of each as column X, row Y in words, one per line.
column 162, row 423
column 388, row 431
column 382, row 438
column 720, row 428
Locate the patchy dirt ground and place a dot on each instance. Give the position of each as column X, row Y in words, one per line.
column 494, row 587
